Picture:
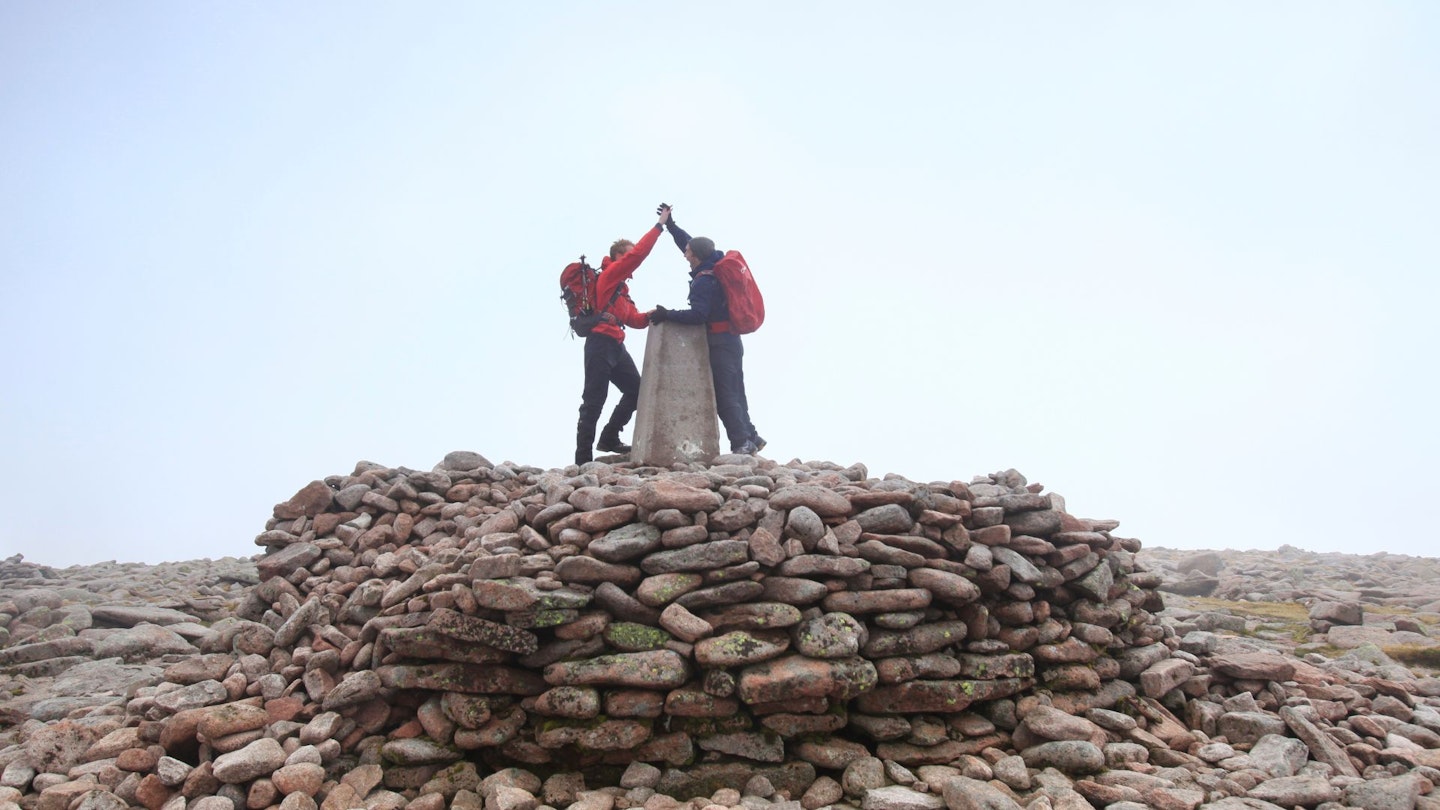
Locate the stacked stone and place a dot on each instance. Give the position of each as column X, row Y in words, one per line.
column 736, row 618
column 803, row 632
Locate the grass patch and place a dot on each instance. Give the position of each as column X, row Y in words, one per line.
column 1288, row 612
column 1415, row 655
column 1290, row 618
column 1329, row 651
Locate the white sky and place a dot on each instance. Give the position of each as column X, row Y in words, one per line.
column 1177, row 262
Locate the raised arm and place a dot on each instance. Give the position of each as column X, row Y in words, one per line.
column 676, row 232
column 620, row 270
column 679, row 235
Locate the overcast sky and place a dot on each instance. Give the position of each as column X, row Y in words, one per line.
column 1176, row 262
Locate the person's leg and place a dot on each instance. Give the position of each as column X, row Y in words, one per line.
column 626, row 377
column 725, row 357
column 745, row 401
column 592, row 400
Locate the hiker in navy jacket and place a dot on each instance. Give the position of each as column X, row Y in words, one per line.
column 727, row 353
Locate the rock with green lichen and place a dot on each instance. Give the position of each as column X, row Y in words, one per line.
column 634, row 637
column 741, row 647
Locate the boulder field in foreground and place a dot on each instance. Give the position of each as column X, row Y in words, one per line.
column 742, row 633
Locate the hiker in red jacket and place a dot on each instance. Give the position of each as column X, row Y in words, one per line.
column 606, row 358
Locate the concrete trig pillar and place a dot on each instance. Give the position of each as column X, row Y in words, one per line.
column 675, row 419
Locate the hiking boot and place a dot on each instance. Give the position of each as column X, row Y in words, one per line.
column 612, row 446
column 758, row 442
column 747, row 449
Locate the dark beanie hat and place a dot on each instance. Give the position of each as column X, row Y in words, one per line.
column 701, row 247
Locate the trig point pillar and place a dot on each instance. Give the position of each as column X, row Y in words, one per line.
column 675, row 420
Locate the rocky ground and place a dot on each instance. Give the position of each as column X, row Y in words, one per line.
column 1344, row 601
column 1253, row 679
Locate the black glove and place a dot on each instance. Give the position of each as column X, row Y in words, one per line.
column 660, row 209
column 659, row 315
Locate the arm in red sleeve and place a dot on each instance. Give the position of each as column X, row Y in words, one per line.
column 625, row 311
column 620, row 270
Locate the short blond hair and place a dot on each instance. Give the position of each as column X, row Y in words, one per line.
column 620, row 247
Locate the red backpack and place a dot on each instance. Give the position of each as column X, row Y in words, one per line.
column 747, row 306
column 577, row 290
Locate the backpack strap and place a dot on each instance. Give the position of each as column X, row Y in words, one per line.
column 717, row 326
column 592, row 280
column 604, row 311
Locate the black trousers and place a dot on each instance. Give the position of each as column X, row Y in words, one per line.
column 727, row 368
column 607, row 361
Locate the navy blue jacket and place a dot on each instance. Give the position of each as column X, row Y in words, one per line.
column 707, row 297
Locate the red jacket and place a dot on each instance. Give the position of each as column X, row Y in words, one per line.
column 613, row 274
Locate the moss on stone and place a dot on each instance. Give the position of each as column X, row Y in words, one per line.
column 636, row 636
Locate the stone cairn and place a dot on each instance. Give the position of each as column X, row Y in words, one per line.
column 802, row 635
